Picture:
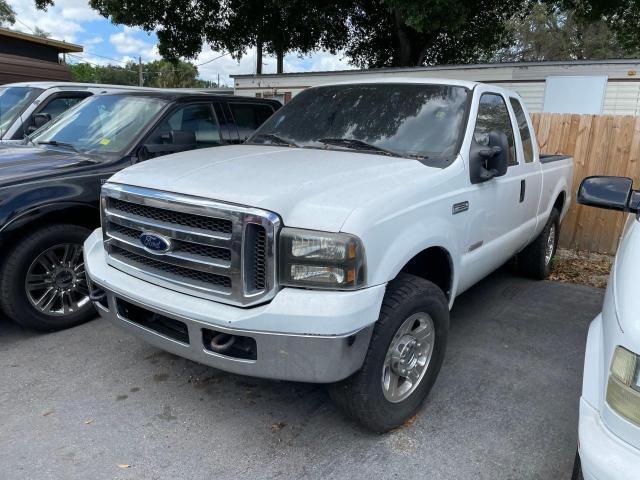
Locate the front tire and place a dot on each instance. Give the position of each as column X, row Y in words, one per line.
column 404, row 356
column 43, row 284
column 535, row 260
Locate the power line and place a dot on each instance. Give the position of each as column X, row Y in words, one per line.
column 24, row 24
column 209, row 61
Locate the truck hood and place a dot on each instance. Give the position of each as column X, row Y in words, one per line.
column 308, row 188
column 25, row 162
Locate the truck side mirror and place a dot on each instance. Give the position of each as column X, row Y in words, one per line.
column 38, row 120
column 491, row 160
column 611, row 193
column 177, row 141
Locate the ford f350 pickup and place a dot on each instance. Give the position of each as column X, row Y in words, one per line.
column 330, row 247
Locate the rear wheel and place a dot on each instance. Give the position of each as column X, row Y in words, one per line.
column 404, row 357
column 44, row 285
column 535, row 260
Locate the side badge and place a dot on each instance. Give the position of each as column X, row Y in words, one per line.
column 460, row 207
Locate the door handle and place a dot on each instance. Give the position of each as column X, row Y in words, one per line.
column 523, row 188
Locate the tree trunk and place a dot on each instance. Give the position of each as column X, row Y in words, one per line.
column 259, row 57
column 403, row 50
column 280, row 56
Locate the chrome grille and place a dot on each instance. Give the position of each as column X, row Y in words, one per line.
column 217, row 251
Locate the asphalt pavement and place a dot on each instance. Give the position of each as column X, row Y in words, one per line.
column 95, row 403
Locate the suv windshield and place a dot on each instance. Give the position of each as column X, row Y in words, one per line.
column 411, row 120
column 13, row 100
column 101, row 124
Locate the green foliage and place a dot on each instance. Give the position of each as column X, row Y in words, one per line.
column 551, row 33
column 160, row 73
column 378, row 33
column 7, row 14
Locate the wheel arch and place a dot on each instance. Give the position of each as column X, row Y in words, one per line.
column 433, row 263
column 74, row 213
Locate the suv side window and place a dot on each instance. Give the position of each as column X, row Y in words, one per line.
column 249, row 116
column 493, row 115
column 60, row 105
column 197, row 119
column 525, row 134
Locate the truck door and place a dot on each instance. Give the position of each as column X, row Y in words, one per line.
column 494, row 221
column 528, row 170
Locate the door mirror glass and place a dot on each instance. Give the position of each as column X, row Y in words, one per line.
column 174, row 141
column 490, row 160
column 611, row 193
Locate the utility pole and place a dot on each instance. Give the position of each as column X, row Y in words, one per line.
column 140, row 70
column 218, row 83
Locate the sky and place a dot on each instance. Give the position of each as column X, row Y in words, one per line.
column 74, row 21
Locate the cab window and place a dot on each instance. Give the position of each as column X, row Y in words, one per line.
column 192, row 122
column 493, row 115
column 248, row 117
column 523, row 127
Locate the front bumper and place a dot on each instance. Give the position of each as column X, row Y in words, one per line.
column 603, row 455
column 301, row 335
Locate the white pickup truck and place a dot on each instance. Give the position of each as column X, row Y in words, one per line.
column 330, row 246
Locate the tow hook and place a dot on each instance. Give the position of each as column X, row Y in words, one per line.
column 221, row 342
column 97, row 295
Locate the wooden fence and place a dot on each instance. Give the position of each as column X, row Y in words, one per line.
column 600, row 145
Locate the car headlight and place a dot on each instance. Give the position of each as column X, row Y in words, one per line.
column 321, row 259
column 623, row 388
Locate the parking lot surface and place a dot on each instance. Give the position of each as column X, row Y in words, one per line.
column 95, row 403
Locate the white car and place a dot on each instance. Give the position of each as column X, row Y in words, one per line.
column 330, row 246
column 609, row 428
column 27, row 106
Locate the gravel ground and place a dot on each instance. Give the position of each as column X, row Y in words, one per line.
column 95, row 403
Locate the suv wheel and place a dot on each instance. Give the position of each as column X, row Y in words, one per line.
column 43, row 283
column 404, row 357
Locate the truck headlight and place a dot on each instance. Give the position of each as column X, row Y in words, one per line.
column 623, row 388
column 321, row 259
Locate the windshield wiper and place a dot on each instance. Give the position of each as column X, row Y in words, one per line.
column 276, row 139
column 56, row 143
column 356, row 144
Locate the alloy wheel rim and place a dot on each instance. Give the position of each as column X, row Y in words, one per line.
column 551, row 243
column 408, row 357
column 56, row 282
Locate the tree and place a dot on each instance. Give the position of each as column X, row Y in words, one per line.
column 427, row 32
column 160, row 73
column 621, row 16
column 7, row 14
column 549, row 32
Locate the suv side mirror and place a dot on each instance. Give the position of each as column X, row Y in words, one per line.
column 38, row 120
column 489, row 161
column 611, row 193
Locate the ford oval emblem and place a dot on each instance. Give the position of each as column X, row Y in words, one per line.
column 155, row 243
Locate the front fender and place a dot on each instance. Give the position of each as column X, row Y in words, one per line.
column 79, row 213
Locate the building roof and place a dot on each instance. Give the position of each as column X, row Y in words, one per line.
column 61, row 46
column 623, row 61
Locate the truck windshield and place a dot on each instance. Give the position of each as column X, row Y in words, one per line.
column 13, row 100
column 102, row 124
column 409, row 120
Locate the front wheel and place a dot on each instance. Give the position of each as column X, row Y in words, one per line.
column 44, row 285
column 404, row 356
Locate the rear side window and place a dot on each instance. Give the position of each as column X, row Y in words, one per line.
column 525, row 133
column 249, row 117
column 493, row 115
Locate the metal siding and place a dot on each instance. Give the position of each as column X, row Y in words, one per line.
column 622, row 98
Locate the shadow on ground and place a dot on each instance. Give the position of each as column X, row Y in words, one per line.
column 78, row 403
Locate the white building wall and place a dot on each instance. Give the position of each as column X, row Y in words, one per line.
column 622, row 94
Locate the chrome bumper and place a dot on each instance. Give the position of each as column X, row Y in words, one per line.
column 304, row 358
